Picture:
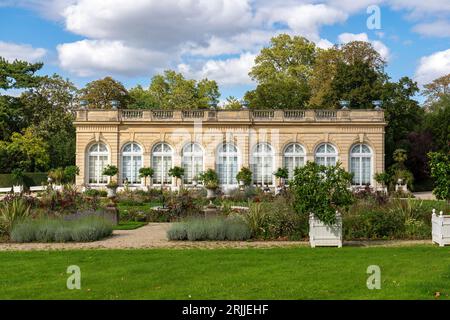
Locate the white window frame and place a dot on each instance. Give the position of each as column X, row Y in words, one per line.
column 191, row 156
column 326, row 155
column 131, row 154
column 295, row 155
column 98, row 174
column 231, row 181
column 360, row 155
column 264, row 155
column 163, row 154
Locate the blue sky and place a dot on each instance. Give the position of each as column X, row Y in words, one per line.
column 133, row 40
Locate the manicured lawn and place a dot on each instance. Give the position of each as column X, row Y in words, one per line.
column 129, row 225
column 295, row 273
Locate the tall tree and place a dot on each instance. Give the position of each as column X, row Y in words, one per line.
column 101, row 93
column 142, row 99
column 18, row 74
column 26, row 151
column 172, row 90
column 352, row 72
column 437, row 89
column 284, row 69
column 403, row 114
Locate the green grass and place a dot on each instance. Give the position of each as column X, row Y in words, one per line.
column 291, row 273
column 129, row 225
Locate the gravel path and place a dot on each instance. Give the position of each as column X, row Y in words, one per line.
column 153, row 235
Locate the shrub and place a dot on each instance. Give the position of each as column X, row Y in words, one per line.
column 177, row 232
column 95, row 193
column 245, row 175
column 12, row 212
column 217, row 228
column 209, row 178
column 60, row 230
column 440, row 171
column 28, row 179
column 321, row 190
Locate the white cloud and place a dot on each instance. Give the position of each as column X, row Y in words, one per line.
column 379, row 46
column 433, row 66
column 11, row 51
column 159, row 24
column 226, row 72
column 305, row 19
column 439, row 28
column 90, row 57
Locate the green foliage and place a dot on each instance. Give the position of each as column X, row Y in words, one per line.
column 145, row 172
column 382, row 178
column 176, row 172
column 100, row 93
column 245, row 175
column 95, row 193
column 172, row 91
column 26, row 151
column 18, row 74
column 142, row 99
column 110, row 170
column 59, row 230
column 17, row 176
column 28, row 179
column 440, row 171
column 201, row 229
column 232, row 103
column 70, row 173
column 282, row 173
column 275, row 220
column 57, row 175
column 12, row 212
column 437, row 122
column 282, row 71
column 321, row 190
column 209, row 178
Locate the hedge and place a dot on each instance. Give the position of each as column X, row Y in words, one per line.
column 29, row 179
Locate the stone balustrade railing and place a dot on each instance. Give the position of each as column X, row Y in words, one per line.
column 96, row 115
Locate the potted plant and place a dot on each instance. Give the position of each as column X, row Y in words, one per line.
column 111, row 187
column 70, row 173
column 244, row 177
column 210, row 180
column 440, row 171
column 322, row 193
column 147, row 172
column 282, row 174
column 177, row 173
column 57, row 176
column 17, row 177
column 383, row 179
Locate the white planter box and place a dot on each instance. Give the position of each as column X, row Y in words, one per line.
column 18, row 189
column 322, row 235
column 440, row 228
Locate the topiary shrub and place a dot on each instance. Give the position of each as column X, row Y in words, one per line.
column 321, row 190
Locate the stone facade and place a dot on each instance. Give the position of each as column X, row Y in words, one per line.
column 244, row 128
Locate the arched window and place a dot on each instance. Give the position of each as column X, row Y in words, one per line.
column 98, row 159
column 293, row 157
column 162, row 154
column 131, row 163
column 326, row 154
column 192, row 161
column 361, row 164
column 262, row 164
column 227, row 163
